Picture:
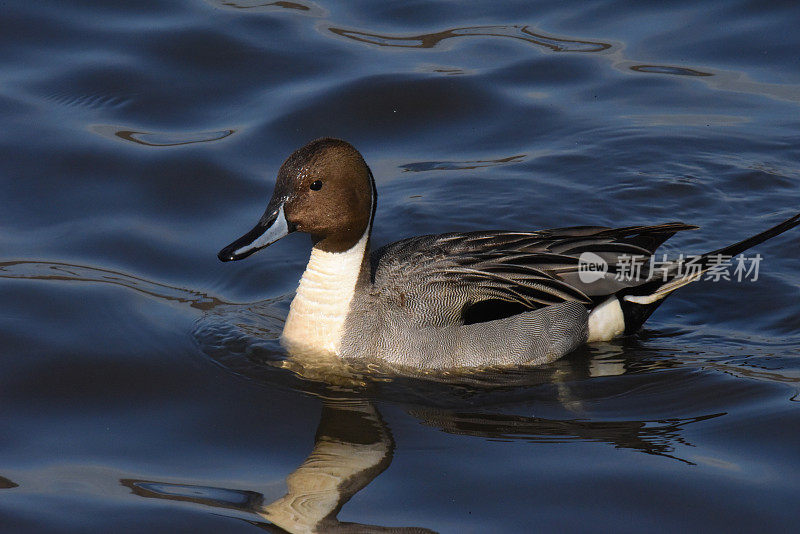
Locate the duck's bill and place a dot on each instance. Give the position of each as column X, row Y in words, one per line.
column 270, row 228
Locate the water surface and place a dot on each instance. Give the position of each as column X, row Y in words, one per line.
column 141, row 384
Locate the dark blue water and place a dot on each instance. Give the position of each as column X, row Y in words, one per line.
column 141, row 386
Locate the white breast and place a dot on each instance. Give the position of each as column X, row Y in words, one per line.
column 319, row 309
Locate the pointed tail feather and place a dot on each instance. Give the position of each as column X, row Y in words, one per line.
column 741, row 246
column 638, row 303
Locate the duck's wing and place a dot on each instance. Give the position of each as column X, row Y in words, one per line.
column 477, row 276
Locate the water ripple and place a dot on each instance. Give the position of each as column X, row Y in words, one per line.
column 41, row 270
column 159, row 139
column 422, row 166
column 429, row 40
column 281, row 4
column 89, row 101
column 669, row 69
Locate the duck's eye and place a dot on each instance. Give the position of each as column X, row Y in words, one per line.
column 316, row 185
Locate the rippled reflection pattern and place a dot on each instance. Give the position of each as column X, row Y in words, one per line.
column 156, row 139
column 663, row 69
column 515, row 32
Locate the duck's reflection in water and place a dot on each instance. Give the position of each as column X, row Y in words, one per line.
column 352, row 446
column 651, row 437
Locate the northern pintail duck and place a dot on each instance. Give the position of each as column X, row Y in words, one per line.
column 456, row 299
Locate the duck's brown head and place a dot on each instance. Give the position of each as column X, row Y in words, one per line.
column 324, row 189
